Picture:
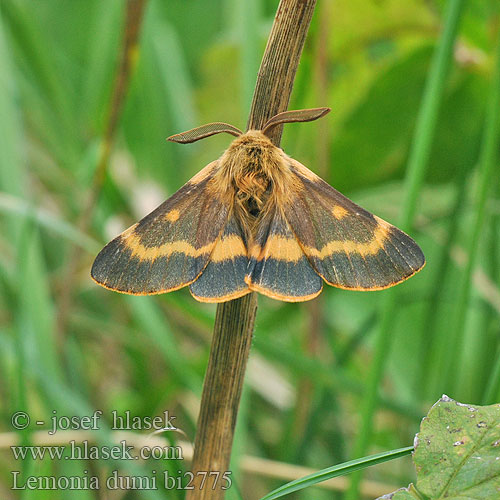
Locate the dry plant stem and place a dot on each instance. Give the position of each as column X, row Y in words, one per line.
column 222, row 387
column 234, row 320
column 280, row 62
column 128, row 59
column 129, row 56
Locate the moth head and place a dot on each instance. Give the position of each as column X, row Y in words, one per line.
column 301, row 115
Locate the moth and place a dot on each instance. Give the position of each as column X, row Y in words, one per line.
column 256, row 220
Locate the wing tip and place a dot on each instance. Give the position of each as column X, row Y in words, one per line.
column 101, row 281
column 138, row 292
column 377, row 287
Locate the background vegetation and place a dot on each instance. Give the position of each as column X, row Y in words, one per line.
column 68, row 345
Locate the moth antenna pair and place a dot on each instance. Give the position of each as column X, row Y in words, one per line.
column 301, row 115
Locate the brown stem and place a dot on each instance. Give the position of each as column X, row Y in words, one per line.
column 128, row 59
column 235, row 319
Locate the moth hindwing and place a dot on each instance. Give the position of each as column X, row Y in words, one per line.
column 256, row 220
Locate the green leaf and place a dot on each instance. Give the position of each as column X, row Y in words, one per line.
column 457, row 453
column 374, row 138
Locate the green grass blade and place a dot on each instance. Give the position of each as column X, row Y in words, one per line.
column 17, row 208
column 336, row 471
column 326, row 377
column 417, row 163
column 427, row 118
column 432, row 346
column 247, row 20
column 36, row 307
column 36, row 53
column 491, row 391
column 106, row 24
column 59, row 395
column 150, row 318
column 487, row 162
column 174, row 74
column 11, row 168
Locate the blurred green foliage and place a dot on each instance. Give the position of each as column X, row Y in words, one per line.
column 368, row 60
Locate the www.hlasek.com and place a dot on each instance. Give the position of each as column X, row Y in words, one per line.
column 87, row 449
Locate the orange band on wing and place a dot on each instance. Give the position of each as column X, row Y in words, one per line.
column 285, row 248
column 133, row 243
column 278, row 247
column 228, row 247
column 372, row 247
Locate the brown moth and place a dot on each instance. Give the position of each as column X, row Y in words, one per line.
column 256, row 220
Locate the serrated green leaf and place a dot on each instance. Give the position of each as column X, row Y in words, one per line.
column 457, row 453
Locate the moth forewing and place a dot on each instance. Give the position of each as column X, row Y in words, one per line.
column 170, row 247
column 348, row 246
